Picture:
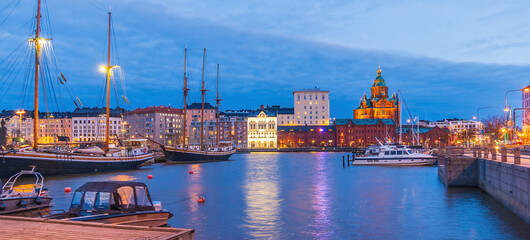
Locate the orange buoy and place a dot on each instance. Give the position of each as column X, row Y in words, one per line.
column 67, row 189
column 149, row 176
column 201, row 199
column 190, row 172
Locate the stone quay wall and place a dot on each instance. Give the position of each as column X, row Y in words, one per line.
column 507, row 181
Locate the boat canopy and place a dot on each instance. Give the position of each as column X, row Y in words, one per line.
column 109, row 186
column 111, row 196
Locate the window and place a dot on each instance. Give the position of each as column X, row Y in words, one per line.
column 127, row 196
column 88, row 201
column 392, row 152
column 76, row 200
column 102, row 200
column 142, row 196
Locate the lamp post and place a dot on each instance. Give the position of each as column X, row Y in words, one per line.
column 20, row 112
column 506, row 108
column 480, row 124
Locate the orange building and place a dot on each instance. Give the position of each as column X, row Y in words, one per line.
column 379, row 105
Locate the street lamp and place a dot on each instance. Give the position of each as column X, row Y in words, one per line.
column 20, row 112
column 506, row 109
column 480, row 124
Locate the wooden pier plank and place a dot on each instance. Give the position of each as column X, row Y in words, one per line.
column 34, row 228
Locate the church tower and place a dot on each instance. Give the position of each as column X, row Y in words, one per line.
column 379, row 105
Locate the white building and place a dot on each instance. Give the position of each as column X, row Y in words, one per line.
column 311, row 107
column 456, row 125
column 262, row 130
column 89, row 124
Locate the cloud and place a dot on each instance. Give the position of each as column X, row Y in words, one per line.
column 264, row 66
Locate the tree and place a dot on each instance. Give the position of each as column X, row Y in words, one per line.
column 493, row 125
column 3, row 133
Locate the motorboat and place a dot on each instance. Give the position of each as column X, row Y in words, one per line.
column 28, row 200
column 115, row 202
column 397, row 155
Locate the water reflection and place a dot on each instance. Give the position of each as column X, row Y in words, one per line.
column 322, row 226
column 121, row 177
column 261, row 194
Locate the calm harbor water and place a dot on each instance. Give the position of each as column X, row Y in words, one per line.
column 310, row 196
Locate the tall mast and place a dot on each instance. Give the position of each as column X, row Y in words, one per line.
column 109, row 68
column 185, row 89
column 203, row 91
column 399, row 116
column 218, row 100
column 37, row 56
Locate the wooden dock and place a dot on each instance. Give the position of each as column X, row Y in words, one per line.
column 38, row 228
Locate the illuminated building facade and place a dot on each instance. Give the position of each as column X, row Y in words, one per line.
column 233, row 128
column 160, row 123
column 364, row 132
column 89, row 124
column 54, row 128
column 306, row 136
column 22, row 129
column 262, row 129
column 379, row 105
column 194, row 113
column 311, row 107
column 428, row 136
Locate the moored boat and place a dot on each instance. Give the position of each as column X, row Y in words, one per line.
column 27, row 200
column 57, row 159
column 115, row 202
column 395, row 155
column 193, row 154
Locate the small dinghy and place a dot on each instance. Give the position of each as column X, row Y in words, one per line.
column 27, row 200
column 115, row 202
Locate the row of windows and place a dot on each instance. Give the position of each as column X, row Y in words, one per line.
column 316, row 96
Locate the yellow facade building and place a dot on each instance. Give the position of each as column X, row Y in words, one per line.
column 379, row 105
column 262, row 130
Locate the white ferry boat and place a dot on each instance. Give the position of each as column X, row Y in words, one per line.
column 393, row 155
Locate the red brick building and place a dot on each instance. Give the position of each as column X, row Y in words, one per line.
column 306, row 136
column 364, row 132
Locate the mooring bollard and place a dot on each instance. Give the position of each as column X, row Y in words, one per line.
column 343, row 164
column 486, row 153
column 348, row 160
column 504, row 154
column 474, row 152
column 517, row 155
column 479, row 155
column 493, row 154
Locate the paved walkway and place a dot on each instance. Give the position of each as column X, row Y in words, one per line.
column 525, row 159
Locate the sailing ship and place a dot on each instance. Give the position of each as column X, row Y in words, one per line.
column 190, row 154
column 60, row 159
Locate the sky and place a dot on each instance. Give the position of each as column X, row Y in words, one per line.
column 448, row 58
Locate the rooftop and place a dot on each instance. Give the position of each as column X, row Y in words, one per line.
column 156, row 109
column 309, row 90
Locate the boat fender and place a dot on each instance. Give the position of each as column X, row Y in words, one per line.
column 149, row 176
column 22, row 203
column 2, row 206
column 38, row 200
column 201, row 199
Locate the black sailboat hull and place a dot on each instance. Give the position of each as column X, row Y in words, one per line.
column 183, row 156
column 51, row 164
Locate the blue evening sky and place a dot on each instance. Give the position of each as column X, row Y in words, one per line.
column 448, row 57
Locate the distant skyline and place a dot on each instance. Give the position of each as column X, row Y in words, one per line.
column 447, row 57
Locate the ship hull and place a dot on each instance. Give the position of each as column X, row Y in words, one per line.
column 407, row 161
column 59, row 164
column 190, row 156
